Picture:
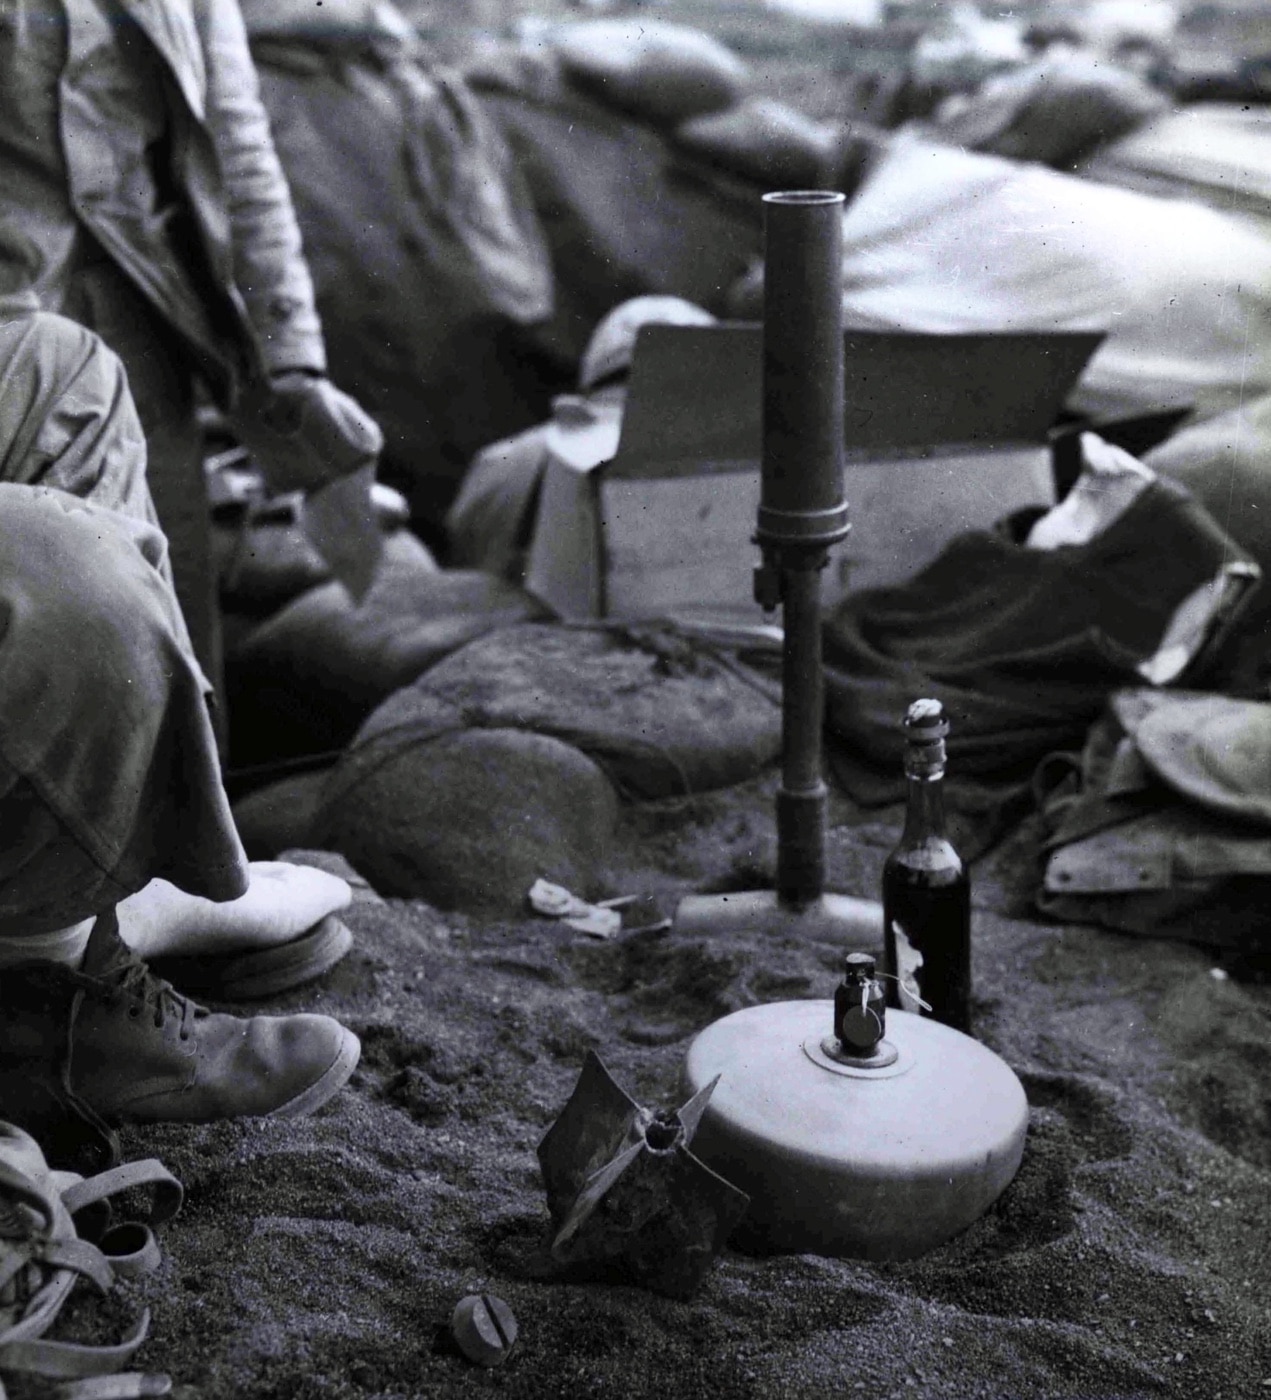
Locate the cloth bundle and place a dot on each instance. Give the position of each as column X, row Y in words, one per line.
column 1162, row 825
column 1023, row 645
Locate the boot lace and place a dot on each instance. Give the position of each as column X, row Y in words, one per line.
column 131, row 979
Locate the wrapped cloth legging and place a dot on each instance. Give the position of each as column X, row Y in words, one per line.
column 109, row 774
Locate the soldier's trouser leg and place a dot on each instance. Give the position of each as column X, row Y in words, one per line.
column 109, row 775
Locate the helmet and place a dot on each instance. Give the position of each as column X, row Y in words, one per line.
column 613, row 341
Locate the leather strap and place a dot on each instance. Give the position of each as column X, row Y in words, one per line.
column 17, row 1187
column 40, row 1311
column 124, row 1251
column 80, row 1257
column 129, row 1386
column 70, row 1360
column 131, row 1250
column 168, row 1195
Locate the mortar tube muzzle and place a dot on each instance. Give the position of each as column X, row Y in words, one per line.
column 802, row 509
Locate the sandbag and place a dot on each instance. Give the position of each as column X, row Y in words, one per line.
column 657, row 71
column 343, row 19
column 1057, row 111
column 959, row 49
column 263, row 565
column 425, row 249
column 262, row 551
column 280, row 816
column 623, row 216
column 304, row 679
column 1225, row 462
column 765, row 140
column 943, row 240
column 662, row 714
column 490, row 523
column 470, row 818
column 1214, row 153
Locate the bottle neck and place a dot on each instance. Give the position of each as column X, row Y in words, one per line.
column 924, row 812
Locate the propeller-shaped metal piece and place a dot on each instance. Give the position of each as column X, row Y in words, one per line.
column 626, row 1195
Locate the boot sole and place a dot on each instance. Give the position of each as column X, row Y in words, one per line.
column 265, row 973
column 326, row 1088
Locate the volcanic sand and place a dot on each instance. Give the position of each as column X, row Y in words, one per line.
column 323, row 1257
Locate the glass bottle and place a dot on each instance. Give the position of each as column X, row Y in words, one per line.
column 926, row 888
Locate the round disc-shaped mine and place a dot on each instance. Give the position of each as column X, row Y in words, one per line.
column 851, row 1162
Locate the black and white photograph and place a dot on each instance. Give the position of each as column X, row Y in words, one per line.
column 635, row 699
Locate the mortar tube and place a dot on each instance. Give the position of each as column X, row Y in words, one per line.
column 802, row 510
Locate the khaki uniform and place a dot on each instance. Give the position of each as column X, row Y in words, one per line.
column 141, row 195
column 108, row 768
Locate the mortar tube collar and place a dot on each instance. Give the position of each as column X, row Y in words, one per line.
column 804, row 527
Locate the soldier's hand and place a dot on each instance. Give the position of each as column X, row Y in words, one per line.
column 307, row 435
column 303, row 432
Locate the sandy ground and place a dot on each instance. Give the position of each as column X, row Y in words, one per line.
column 324, row 1257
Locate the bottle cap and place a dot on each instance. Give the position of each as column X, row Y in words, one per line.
column 925, row 721
column 925, row 728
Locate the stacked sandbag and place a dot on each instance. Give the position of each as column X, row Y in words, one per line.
column 656, row 71
column 281, row 814
column 1225, row 462
column 357, row 19
column 1056, row 111
column 963, row 47
column 663, row 714
column 767, row 141
column 622, row 214
column 470, row 818
column 303, row 680
column 423, row 241
column 690, row 85
column 261, row 548
column 505, row 761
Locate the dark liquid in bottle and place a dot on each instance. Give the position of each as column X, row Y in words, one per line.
column 927, row 930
